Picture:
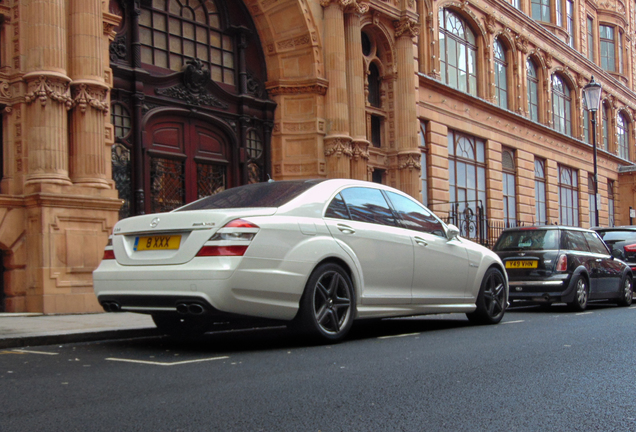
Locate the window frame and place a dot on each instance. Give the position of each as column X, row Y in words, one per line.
column 500, row 54
column 540, row 190
column 566, row 99
column 569, row 196
column 471, row 53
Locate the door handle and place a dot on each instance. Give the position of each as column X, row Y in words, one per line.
column 420, row 241
column 599, row 259
column 346, row 229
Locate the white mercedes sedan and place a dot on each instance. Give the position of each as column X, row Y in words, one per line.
column 316, row 254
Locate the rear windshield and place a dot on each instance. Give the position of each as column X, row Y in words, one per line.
column 528, row 240
column 271, row 194
column 617, row 235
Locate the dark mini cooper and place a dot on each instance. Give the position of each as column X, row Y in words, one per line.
column 558, row 264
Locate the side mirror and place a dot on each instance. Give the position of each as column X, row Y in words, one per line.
column 452, row 232
column 617, row 254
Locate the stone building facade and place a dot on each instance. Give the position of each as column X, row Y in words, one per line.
column 112, row 108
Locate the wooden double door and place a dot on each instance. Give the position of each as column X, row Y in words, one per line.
column 185, row 159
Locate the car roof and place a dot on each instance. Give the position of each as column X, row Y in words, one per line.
column 616, row 228
column 546, row 227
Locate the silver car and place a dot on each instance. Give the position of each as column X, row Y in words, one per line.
column 317, row 254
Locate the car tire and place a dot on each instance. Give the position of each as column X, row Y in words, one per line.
column 581, row 294
column 328, row 304
column 626, row 293
column 491, row 301
column 180, row 327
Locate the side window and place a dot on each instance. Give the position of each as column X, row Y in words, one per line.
column 596, row 244
column 415, row 217
column 575, row 240
column 337, row 209
column 368, row 205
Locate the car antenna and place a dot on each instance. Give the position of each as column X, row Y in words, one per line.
column 271, row 180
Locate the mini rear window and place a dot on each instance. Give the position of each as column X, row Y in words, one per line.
column 270, row 194
column 528, row 240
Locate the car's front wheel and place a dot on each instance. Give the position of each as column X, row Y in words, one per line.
column 491, row 301
column 581, row 293
column 626, row 294
column 328, row 304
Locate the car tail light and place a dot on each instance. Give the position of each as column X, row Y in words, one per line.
column 231, row 240
column 562, row 263
column 109, row 254
column 222, row 251
column 630, row 248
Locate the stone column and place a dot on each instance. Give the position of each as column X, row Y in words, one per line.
column 47, row 97
column 406, row 127
column 337, row 142
column 89, row 154
column 355, row 90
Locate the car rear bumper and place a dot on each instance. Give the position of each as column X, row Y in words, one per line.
column 252, row 287
column 552, row 290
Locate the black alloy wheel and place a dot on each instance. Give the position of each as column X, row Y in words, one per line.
column 626, row 293
column 581, row 294
column 491, row 301
column 328, row 304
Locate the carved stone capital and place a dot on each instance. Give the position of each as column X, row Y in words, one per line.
column 522, row 44
column 342, row 3
column 357, row 7
column 360, row 150
column 338, row 147
column 85, row 95
column 409, row 161
column 406, row 27
column 491, row 23
column 44, row 88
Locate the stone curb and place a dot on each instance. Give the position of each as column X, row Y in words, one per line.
column 52, row 339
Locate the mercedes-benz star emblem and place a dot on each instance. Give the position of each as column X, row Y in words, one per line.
column 154, row 222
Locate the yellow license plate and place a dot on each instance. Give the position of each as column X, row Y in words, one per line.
column 159, row 242
column 521, row 264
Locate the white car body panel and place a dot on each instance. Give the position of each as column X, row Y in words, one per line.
column 392, row 274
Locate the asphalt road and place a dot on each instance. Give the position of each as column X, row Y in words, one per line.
column 536, row 371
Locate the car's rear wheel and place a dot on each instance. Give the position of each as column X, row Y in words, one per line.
column 328, row 304
column 491, row 301
column 181, row 327
column 626, row 294
column 581, row 294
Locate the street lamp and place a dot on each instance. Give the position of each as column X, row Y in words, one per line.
column 592, row 95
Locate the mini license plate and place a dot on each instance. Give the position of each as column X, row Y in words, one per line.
column 521, row 264
column 157, row 242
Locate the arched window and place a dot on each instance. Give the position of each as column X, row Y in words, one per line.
column 501, row 75
column 533, row 90
column 458, row 53
column 622, row 134
column 174, row 31
column 561, row 106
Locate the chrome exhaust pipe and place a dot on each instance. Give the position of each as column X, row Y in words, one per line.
column 182, row 308
column 195, row 309
column 115, row 307
column 106, row 306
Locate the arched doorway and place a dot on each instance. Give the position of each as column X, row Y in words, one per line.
column 190, row 112
column 187, row 159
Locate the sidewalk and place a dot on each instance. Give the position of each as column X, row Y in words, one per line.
column 21, row 330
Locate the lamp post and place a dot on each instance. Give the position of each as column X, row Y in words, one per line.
column 592, row 95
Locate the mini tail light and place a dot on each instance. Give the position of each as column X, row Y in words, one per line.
column 562, row 263
column 109, row 254
column 630, row 248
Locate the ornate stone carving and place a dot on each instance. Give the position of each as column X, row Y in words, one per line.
column 358, row 7
column 360, row 150
column 338, row 147
column 44, row 89
column 302, row 89
column 406, row 27
column 491, row 23
column 118, row 49
column 522, row 44
column 84, row 96
column 410, row 161
column 5, row 89
column 193, row 90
